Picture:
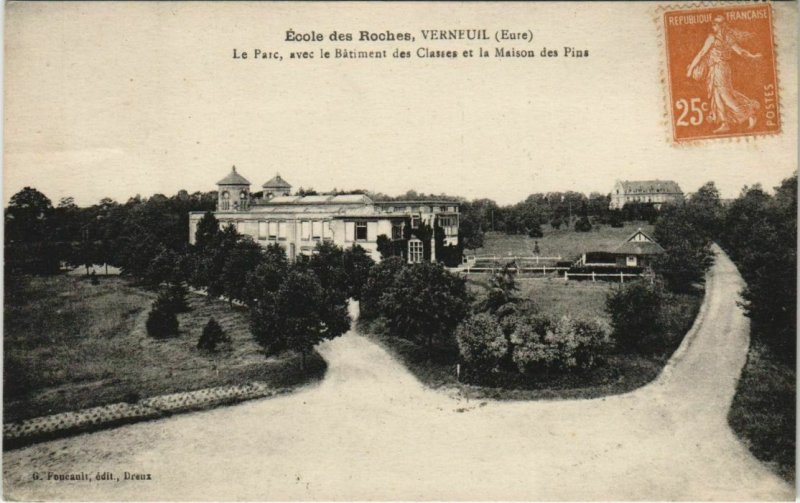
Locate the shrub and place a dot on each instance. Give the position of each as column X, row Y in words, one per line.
column 556, row 223
column 212, row 336
column 635, row 309
column 173, row 298
column 542, row 345
column 380, row 279
column 384, row 245
column 161, row 322
column 357, row 264
column 481, row 343
column 535, row 231
column 583, row 225
column 502, row 289
column 426, row 303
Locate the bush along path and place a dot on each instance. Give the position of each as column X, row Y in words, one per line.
column 37, row 429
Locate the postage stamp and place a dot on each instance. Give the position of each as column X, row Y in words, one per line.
column 722, row 73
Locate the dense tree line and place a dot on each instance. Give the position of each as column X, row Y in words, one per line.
column 558, row 209
column 128, row 235
column 759, row 231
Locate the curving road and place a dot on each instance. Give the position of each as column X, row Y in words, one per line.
column 371, row 431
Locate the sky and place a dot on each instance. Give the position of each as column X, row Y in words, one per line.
column 116, row 99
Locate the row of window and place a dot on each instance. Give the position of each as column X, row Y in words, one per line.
column 278, row 230
column 421, row 209
column 314, row 230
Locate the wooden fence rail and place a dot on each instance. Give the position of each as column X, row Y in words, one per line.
column 496, row 258
column 595, row 275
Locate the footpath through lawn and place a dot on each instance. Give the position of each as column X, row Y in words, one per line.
column 70, row 344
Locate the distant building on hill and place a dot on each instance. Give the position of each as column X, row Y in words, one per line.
column 298, row 223
column 656, row 192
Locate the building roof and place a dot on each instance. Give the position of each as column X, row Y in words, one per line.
column 417, row 202
column 631, row 247
column 650, row 187
column 319, row 199
column 276, row 182
column 639, row 248
column 233, row 178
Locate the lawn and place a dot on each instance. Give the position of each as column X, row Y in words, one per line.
column 564, row 243
column 621, row 372
column 763, row 410
column 555, row 297
column 69, row 344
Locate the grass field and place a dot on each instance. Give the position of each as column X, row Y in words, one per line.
column 69, row 344
column 555, row 297
column 563, row 242
column 622, row 372
column 763, row 410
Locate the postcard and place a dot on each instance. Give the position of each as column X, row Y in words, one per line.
column 274, row 251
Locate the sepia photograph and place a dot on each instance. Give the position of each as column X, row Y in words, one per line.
column 356, row 251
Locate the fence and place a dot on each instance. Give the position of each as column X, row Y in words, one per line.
column 508, row 258
column 595, row 275
column 470, row 269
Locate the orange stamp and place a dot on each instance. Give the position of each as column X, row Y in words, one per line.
column 722, row 75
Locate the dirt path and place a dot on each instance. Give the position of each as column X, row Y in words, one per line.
column 371, row 431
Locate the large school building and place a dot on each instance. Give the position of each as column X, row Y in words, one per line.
column 298, row 223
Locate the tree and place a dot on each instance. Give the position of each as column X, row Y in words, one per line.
column 212, row 336
column 502, row 289
column 174, row 298
column 27, row 216
column 162, row 321
column 300, row 315
column 688, row 249
column 482, row 344
column 357, row 264
column 583, row 224
column 615, row 219
column 384, row 245
column 706, row 210
column 327, row 262
column 243, row 257
column 29, row 236
column 424, row 303
column 535, row 231
column 634, row 309
column 470, row 226
column 760, row 233
column 207, row 232
column 263, row 281
column 381, row 278
column 166, row 267
column 209, row 262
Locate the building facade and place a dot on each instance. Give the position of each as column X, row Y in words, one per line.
column 656, row 192
column 298, row 223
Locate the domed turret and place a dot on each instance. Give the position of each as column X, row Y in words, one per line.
column 233, row 192
column 276, row 186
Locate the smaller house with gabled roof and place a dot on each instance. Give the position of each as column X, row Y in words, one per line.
column 638, row 251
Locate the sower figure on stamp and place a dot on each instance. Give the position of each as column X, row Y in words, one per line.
column 728, row 106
